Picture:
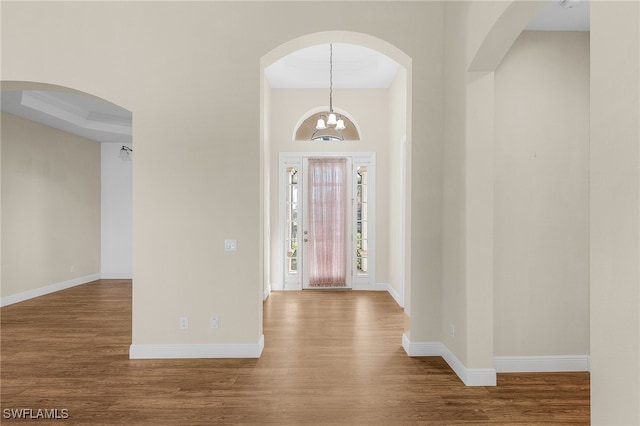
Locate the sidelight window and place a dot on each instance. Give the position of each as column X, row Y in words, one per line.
column 291, row 222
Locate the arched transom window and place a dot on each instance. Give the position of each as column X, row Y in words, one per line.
column 307, row 131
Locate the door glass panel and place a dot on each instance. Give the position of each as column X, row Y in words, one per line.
column 291, row 222
column 362, row 205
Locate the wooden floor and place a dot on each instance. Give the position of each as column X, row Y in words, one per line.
column 329, row 358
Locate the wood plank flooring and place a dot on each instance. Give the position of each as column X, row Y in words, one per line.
column 329, row 358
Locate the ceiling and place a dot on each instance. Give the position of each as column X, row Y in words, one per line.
column 74, row 113
column 573, row 15
column 353, row 67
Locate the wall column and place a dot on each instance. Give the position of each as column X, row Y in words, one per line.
column 615, row 213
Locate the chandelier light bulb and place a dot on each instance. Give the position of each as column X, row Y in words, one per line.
column 568, row 4
column 125, row 153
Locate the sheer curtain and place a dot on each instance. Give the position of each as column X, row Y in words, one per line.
column 327, row 260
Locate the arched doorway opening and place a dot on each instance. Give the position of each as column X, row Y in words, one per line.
column 84, row 185
column 282, row 111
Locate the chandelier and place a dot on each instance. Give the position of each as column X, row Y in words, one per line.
column 330, row 125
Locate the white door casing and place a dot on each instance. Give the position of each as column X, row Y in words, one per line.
column 360, row 226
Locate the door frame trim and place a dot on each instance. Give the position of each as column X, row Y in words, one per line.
column 287, row 159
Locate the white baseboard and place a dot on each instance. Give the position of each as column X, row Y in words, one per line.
column 220, row 350
column 116, row 276
column 367, row 287
column 380, row 287
column 52, row 288
column 277, row 286
column 541, row 364
column 266, row 293
column 469, row 376
column 422, row 348
column 392, row 291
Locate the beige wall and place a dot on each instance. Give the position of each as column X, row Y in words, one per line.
column 190, row 75
column 542, row 196
column 471, row 105
column 478, row 223
column 615, row 217
column 613, row 194
column 50, row 206
column 189, row 72
column 425, row 149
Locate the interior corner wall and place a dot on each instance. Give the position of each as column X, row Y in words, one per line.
column 116, row 212
column 397, row 113
column 454, row 176
column 541, row 210
column 50, row 206
column 266, row 168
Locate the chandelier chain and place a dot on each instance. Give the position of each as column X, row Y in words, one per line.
column 330, row 77
column 332, row 128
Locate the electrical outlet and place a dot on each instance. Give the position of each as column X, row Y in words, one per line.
column 230, row 245
column 72, row 268
column 213, row 322
column 452, row 330
column 184, row 323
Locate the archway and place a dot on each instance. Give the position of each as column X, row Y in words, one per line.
column 486, row 46
column 400, row 146
column 85, row 185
